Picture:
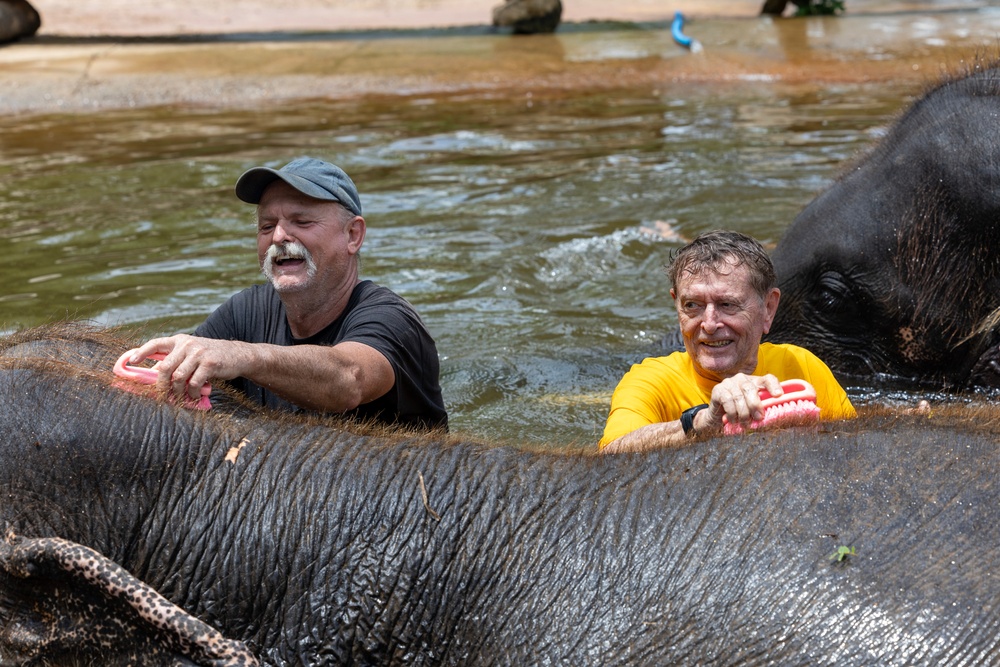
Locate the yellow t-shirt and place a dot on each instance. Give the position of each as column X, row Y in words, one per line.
column 661, row 388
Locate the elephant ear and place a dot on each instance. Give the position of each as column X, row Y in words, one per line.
column 64, row 603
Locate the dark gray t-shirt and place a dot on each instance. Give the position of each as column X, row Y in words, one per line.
column 375, row 316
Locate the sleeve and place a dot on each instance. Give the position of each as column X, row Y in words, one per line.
column 393, row 328
column 390, row 325
column 641, row 398
column 830, row 396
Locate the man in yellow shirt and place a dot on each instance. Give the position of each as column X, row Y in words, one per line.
column 725, row 290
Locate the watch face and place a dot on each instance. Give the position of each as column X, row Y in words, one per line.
column 687, row 417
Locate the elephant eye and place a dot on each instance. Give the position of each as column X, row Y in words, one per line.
column 834, row 298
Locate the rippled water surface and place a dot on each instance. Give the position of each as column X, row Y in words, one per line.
column 517, row 224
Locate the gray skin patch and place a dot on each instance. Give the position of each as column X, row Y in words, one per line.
column 97, row 608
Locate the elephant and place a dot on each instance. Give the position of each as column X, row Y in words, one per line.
column 139, row 532
column 890, row 275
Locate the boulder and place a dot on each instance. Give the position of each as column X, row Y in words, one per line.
column 527, row 17
column 17, row 19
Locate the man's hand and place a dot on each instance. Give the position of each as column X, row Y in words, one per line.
column 738, row 399
column 190, row 362
column 326, row 378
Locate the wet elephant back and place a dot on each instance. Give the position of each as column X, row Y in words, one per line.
column 431, row 549
column 668, row 552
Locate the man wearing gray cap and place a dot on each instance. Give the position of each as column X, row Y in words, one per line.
column 314, row 336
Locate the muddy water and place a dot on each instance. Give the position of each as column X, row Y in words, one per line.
column 517, row 222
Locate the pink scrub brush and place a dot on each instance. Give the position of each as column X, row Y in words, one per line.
column 796, row 406
column 144, row 375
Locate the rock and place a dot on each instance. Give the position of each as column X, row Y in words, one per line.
column 528, row 16
column 17, row 19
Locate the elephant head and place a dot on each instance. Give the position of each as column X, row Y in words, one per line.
column 891, row 274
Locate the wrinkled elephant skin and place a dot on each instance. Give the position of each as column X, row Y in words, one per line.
column 891, row 275
column 303, row 543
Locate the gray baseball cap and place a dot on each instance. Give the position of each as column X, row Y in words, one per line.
column 309, row 176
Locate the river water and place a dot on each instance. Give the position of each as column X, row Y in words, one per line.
column 518, row 223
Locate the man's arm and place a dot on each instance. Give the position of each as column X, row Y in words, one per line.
column 649, row 437
column 316, row 377
column 736, row 398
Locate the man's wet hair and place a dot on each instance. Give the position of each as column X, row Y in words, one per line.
column 720, row 248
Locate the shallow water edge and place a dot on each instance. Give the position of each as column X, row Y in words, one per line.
column 90, row 74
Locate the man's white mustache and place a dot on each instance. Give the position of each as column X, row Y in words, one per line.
column 289, row 250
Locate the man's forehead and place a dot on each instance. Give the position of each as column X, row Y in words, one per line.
column 281, row 193
column 729, row 279
column 282, row 199
column 724, row 269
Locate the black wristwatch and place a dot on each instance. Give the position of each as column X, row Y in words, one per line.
column 687, row 417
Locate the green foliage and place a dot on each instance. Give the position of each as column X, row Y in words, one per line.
column 842, row 552
column 820, row 8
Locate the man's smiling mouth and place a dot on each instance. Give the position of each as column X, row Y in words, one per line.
column 292, row 256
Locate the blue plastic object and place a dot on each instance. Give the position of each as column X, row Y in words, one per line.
column 677, row 30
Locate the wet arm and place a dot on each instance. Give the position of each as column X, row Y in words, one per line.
column 664, row 434
column 735, row 398
column 325, row 378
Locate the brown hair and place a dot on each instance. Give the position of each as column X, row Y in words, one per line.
column 714, row 249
